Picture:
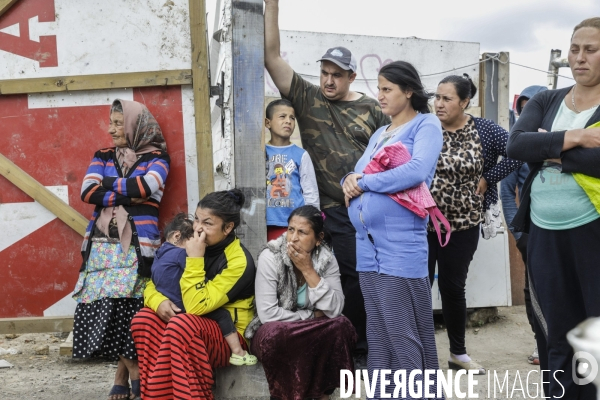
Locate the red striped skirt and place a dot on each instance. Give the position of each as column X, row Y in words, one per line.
column 177, row 359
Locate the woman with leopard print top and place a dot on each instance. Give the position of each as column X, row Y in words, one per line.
column 464, row 187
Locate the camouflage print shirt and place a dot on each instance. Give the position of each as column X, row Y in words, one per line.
column 334, row 133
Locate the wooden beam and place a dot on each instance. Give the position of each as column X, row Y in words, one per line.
column 39, row 193
column 248, row 117
column 5, row 5
column 66, row 348
column 91, row 82
column 36, row 324
column 481, row 86
column 201, row 86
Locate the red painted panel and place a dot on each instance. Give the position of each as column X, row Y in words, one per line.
column 55, row 146
column 165, row 105
column 44, row 51
column 39, row 270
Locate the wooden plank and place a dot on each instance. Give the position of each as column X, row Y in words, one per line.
column 481, row 86
column 5, row 5
column 474, row 111
column 201, row 87
column 517, row 272
column 248, row 96
column 39, row 193
column 36, row 324
column 66, row 348
column 100, row 81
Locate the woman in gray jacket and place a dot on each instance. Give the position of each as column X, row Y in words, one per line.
column 299, row 334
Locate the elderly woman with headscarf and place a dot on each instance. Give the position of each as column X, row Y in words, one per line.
column 126, row 184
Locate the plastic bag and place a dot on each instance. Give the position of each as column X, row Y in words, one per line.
column 491, row 222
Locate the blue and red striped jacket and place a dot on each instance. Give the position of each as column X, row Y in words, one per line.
column 105, row 186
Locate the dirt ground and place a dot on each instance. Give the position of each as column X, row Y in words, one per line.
column 500, row 346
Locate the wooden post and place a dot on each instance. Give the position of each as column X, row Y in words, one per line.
column 201, row 88
column 52, row 202
column 503, row 89
column 481, row 86
column 5, row 5
column 248, row 111
column 494, row 87
column 494, row 99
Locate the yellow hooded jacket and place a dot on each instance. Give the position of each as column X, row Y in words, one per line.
column 225, row 279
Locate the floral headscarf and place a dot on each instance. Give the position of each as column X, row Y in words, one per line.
column 141, row 131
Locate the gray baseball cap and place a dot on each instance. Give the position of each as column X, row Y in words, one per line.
column 340, row 56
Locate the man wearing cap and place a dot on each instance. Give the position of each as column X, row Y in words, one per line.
column 335, row 126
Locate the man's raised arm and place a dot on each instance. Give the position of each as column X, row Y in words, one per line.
column 280, row 71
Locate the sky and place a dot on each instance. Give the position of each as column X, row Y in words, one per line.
column 527, row 29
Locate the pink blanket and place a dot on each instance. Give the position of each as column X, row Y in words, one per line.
column 417, row 199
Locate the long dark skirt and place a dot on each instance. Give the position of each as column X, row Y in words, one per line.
column 101, row 329
column 303, row 359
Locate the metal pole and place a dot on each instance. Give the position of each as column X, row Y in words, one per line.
column 248, row 117
column 555, row 63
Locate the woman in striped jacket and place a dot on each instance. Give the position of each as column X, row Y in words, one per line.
column 126, row 184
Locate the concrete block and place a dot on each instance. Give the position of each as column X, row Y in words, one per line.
column 250, row 383
column 242, row 383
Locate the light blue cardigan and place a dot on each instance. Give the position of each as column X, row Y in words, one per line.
column 400, row 237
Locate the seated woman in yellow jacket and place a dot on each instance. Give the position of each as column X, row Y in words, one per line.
column 178, row 352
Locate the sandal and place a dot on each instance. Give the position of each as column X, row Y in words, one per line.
column 135, row 390
column 534, row 358
column 246, row 359
column 118, row 392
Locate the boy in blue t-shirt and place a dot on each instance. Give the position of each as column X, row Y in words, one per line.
column 291, row 180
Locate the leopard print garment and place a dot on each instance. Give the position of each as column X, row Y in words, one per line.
column 457, row 174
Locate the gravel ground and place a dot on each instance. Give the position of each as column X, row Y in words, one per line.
column 500, row 346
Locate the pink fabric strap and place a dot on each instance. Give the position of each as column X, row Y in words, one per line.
column 435, row 214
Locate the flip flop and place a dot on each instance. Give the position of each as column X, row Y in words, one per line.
column 135, row 389
column 119, row 390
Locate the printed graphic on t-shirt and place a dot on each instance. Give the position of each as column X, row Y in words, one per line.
column 279, row 184
column 553, row 171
